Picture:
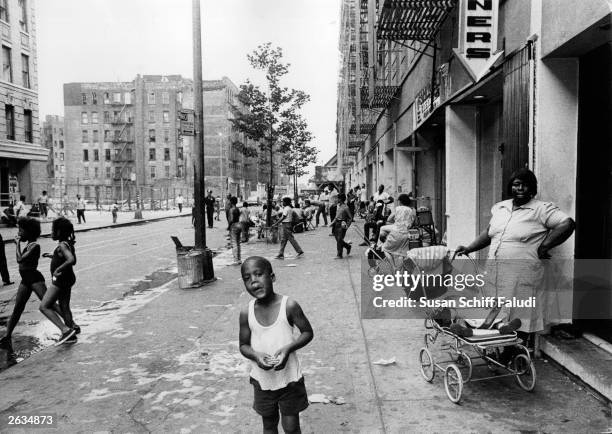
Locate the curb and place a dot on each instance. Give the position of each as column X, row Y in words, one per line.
column 133, row 222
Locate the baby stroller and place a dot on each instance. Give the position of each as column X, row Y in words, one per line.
column 464, row 354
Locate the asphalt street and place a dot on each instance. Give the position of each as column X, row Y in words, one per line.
column 154, row 358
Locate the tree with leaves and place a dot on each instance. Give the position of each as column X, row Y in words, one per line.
column 265, row 115
column 297, row 154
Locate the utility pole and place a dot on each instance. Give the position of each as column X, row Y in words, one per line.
column 204, row 258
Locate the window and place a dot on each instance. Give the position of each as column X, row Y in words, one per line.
column 4, row 11
column 179, row 171
column 127, row 97
column 151, row 154
column 128, row 154
column 167, row 171
column 23, row 20
column 107, row 136
column 152, row 172
column 116, row 116
column 61, row 156
column 25, row 71
column 151, row 98
column 62, row 169
column 107, row 118
column 96, row 137
column 61, row 144
column 107, row 154
column 117, row 135
column 94, row 117
column 165, row 98
column 85, row 155
column 7, row 65
column 96, row 155
column 117, row 172
column 61, row 131
column 179, row 97
column 96, row 172
column 84, row 119
column 84, row 98
column 94, row 98
column 27, row 126
column 85, row 136
column 9, row 113
column 106, row 98
column 151, row 116
column 166, row 117
column 166, row 154
column 151, row 135
column 179, row 152
column 166, row 136
column 116, row 96
column 86, row 172
column 128, row 116
column 117, row 152
column 108, row 171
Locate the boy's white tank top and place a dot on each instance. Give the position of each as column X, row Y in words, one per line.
column 268, row 340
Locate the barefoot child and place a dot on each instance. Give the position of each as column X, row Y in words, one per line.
column 31, row 278
column 63, row 278
column 266, row 338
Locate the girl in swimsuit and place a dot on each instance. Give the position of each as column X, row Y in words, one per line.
column 62, row 280
column 31, row 279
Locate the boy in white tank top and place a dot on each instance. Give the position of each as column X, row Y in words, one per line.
column 266, row 338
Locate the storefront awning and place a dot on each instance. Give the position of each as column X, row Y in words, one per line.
column 412, row 20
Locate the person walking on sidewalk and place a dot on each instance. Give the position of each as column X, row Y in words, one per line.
column 62, row 277
column 340, row 224
column 114, row 210
column 323, row 201
column 31, row 279
column 286, row 222
column 245, row 221
column 179, row 202
column 80, row 208
column 235, row 229
column 43, row 200
column 209, row 203
column 266, row 338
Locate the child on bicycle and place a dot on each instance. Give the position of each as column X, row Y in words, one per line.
column 266, row 338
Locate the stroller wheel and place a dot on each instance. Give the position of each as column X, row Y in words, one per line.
column 525, row 372
column 428, row 368
column 465, row 362
column 453, row 383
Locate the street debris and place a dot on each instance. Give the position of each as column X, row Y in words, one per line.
column 320, row 398
column 291, row 265
column 385, row 362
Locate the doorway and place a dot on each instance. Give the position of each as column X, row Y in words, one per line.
column 594, row 183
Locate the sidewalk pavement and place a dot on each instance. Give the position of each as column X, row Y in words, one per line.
column 98, row 220
column 173, row 365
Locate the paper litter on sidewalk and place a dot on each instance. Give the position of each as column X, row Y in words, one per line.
column 291, row 265
column 320, row 398
column 385, row 362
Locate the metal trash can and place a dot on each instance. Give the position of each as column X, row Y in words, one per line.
column 190, row 267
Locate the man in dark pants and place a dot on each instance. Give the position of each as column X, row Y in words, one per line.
column 209, row 202
column 3, row 267
column 340, row 224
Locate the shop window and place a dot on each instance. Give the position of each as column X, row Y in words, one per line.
column 7, row 64
column 27, row 126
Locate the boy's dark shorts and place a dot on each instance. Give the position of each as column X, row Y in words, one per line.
column 290, row 400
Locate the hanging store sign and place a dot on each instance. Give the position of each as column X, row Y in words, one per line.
column 187, row 121
column 424, row 104
column 478, row 24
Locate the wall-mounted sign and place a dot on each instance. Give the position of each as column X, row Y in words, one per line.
column 424, row 104
column 478, row 27
column 187, row 120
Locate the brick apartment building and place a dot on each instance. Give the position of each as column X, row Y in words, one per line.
column 120, row 137
column 22, row 158
column 53, row 140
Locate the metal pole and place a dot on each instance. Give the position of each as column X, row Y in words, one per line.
column 200, row 229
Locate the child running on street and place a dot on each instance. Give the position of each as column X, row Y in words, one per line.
column 31, row 279
column 63, row 278
column 266, row 338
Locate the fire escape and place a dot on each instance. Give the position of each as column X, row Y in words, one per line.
column 123, row 152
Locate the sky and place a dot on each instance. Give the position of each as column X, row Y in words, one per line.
column 113, row 40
